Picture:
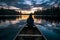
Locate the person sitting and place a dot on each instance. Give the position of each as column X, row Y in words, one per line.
column 30, row 21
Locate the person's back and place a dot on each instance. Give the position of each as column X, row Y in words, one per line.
column 30, row 21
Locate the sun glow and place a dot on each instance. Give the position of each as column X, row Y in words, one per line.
column 27, row 12
column 37, row 8
column 32, row 10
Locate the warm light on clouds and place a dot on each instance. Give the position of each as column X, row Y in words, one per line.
column 37, row 8
column 32, row 10
column 12, row 7
column 27, row 12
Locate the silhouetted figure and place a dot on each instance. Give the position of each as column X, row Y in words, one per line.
column 30, row 21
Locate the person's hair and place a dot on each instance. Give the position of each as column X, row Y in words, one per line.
column 30, row 16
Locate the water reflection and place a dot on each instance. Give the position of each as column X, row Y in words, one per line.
column 48, row 28
column 16, row 19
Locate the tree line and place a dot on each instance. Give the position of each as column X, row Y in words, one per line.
column 54, row 13
column 8, row 12
column 49, row 11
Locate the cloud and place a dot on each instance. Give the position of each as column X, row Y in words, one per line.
column 3, row 4
column 8, row 0
column 28, row 2
column 17, row 3
column 12, row 7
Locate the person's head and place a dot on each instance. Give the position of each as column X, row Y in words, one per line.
column 30, row 16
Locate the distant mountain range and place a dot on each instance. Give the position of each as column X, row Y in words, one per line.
column 27, row 4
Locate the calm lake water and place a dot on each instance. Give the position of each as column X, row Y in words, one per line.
column 9, row 28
